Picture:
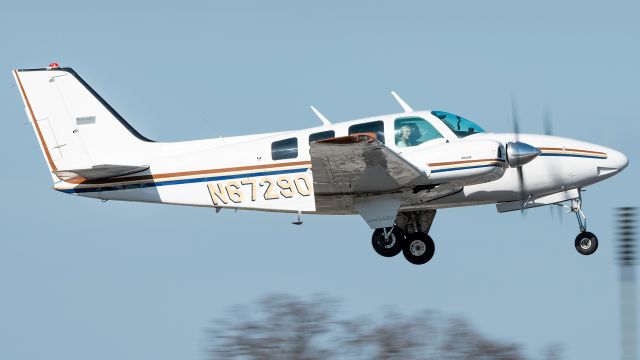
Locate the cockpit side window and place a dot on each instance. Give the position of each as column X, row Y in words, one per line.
column 412, row 131
column 460, row 126
column 376, row 127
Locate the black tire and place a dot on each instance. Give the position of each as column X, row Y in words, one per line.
column 388, row 247
column 418, row 248
column 586, row 243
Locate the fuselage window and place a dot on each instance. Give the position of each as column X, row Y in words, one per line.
column 376, row 127
column 284, row 149
column 412, row 131
column 322, row 135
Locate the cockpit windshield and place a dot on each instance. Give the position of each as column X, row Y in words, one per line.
column 459, row 125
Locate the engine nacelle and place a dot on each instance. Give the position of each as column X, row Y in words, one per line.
column 464, row 162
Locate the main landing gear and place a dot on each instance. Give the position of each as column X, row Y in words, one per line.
column 409, row 235
column 586, row 243
column 388, row 242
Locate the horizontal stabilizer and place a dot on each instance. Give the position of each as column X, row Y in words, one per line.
column 99, row 172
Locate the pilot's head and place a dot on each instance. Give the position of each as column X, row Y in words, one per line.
column 406, row 131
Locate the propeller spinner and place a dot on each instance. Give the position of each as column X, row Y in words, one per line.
column 519, row 153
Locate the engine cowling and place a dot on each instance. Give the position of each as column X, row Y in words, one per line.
column 463, row 162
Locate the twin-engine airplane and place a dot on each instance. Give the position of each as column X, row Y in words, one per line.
column 394, row 170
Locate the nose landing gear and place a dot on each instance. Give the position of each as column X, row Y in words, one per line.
column 586, row 243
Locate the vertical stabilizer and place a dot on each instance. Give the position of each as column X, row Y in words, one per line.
column 75, row 127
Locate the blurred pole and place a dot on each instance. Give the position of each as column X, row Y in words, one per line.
column 627, row 261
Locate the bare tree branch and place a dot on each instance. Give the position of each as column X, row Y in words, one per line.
column 289, row 328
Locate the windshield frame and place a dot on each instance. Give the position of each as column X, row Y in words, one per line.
column 442, row 115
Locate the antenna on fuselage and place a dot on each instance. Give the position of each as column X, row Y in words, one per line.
column 325, row 121
column 402, row 103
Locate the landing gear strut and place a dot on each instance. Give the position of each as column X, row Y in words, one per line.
column 586, row 243
column 388, row 242
column 409, row 235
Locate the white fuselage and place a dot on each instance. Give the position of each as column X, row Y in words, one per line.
column 240, row 172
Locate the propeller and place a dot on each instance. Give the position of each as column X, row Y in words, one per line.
column 548, row 130
column 546, row 121
column 516, row 130
column 519, row 153
column 514, row 117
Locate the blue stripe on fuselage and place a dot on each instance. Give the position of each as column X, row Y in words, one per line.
column 181, row 181
column 463, row 168
column 266, row 173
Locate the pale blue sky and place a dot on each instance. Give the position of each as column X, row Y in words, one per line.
column 82, row 279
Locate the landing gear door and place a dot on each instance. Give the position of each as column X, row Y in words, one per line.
column 379, row 211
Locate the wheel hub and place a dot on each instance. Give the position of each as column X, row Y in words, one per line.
column 417, row 247
column 585, row 243
column 388, row 242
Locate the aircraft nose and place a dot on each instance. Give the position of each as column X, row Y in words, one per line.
column 614, row 164
column 617, row 159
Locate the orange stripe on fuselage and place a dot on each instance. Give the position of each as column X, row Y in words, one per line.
column 189, row 173
column 574, row 150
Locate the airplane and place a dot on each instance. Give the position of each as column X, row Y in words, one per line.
column 393, row 170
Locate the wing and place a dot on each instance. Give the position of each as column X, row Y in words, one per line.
column 99, row 172
column 358, row 164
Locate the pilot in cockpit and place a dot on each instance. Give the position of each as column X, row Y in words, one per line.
column 409, row 133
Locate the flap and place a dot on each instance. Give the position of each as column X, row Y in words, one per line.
column 358, row 164
column 99, row 172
